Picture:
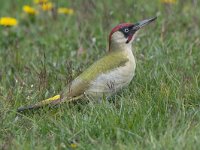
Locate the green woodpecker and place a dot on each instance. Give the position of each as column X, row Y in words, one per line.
column 107, row 75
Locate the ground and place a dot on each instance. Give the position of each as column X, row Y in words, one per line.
column 39, row 56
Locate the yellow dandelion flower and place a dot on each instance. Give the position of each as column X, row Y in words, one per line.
column 40, row 1
column 8, row 21
column 73, row 145
column 47, row 6
column 63, row 10
column 168, row 1
column 29, row 10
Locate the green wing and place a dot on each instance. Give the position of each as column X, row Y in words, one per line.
column 107, row 63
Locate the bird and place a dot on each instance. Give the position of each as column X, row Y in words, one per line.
column 107, row 75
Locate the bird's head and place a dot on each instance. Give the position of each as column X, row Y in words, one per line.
column 123, row 34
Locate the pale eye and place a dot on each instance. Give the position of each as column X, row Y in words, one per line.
column 126, row 30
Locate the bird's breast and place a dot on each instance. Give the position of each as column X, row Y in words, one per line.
column 113, row 80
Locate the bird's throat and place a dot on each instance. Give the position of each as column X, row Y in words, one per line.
column 120, row 47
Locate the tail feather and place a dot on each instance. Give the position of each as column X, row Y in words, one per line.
column 50, row 101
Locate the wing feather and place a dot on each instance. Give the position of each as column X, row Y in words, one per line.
column 103, row 65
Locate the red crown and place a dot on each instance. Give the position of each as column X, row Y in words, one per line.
column 122, row 25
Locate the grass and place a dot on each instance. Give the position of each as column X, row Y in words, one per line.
column 158, row 110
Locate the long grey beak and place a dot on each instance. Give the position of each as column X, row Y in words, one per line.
column 142, row 23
